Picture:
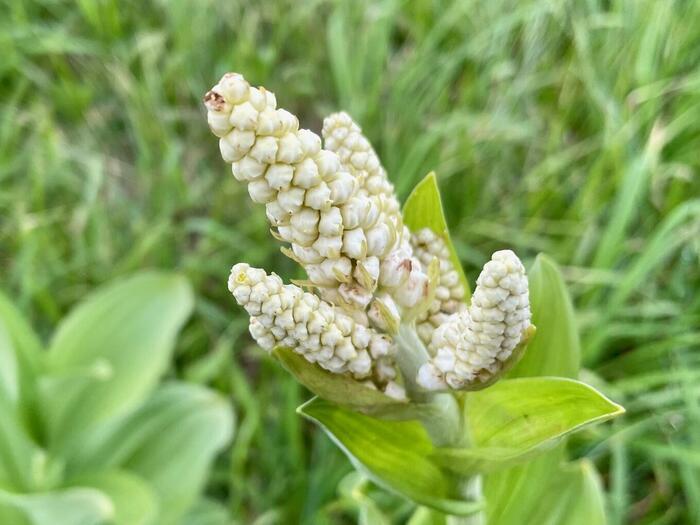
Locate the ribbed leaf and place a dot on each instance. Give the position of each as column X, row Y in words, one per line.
column 555, row 348
column 133, row 500
column 174, row 439
column 20, row 358
column 335, row 388
column 73, row 506
column 394, row 454
column 423, row 209
column 109, row 353
column 515, row 419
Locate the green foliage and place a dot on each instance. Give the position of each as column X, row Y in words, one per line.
column 423, row 209
column 552, row 125
column 110, row 446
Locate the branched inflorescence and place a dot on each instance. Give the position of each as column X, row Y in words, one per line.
column 337, row 211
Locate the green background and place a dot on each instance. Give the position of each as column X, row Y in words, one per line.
column 568, row 127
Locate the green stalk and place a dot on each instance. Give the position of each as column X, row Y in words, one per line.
column 440, row 414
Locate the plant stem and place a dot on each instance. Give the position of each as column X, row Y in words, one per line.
column 442, row 417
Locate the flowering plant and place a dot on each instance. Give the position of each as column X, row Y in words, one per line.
column 404, row 361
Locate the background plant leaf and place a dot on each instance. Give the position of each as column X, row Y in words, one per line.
column 109, row 353
column 394, row 454
column 133, row 500
column 172, row 442
column 72, row 506
column 423, row 209
column 20, row 360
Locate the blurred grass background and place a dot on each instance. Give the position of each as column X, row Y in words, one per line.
column 569, row 127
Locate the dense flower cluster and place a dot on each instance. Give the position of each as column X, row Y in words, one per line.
column 449, row 293
column 284, row 315
column 367, row 273
column 341, row 225
column 474, row 344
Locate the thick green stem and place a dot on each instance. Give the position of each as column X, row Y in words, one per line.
column 441, row 417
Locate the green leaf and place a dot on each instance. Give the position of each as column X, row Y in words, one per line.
column 20, row 359
column 72, row 506
column 426, row 516
column 518, row 418
column 393, row 454
column 19, row 455
column 109, row 353
column 133, row 500
column 335, row 388
column 206, row 512
column 423, row 209
column 547, row 492
column 170, row 442
column 555, row 348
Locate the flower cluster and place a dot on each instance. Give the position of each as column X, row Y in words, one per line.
column 335, row 213
column 473, row 345
column 368, row 275
column 284, row 315
column 449, row 293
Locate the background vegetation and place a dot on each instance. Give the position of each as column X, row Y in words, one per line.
column 569, row 127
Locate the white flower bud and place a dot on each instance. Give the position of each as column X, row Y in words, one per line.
column 318, row 197
column 248, row 169
column 244, row 117
column 289, row 149
column 291, row 199
column 235, row 144
column 306, row 174
column 260, row 191
column 331, row 222
column 264, row 150
column 279, row 176
column 355, row 243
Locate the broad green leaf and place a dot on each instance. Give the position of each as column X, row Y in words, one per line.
column 353, row 488
column 19, row 455
column 517, row 418
column 393, row 454
column 206, row 512
column 171, row 442
column 133, row 500
column 20, row 359
column 336, row 388
column 423, row 209
column 72, row 506
column 555, row 348
column 427, row 516
column 9, row 368
column 547, row 492
column 109, row 353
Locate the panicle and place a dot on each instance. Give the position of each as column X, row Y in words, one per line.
column 338, row 213
column 473, row 345
column 284, row 315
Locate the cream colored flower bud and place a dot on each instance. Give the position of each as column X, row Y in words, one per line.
column 260, row 191
column 286, row 315
column 474, row 345
column 355, row 243
column 331, row 222
column 449, row 293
